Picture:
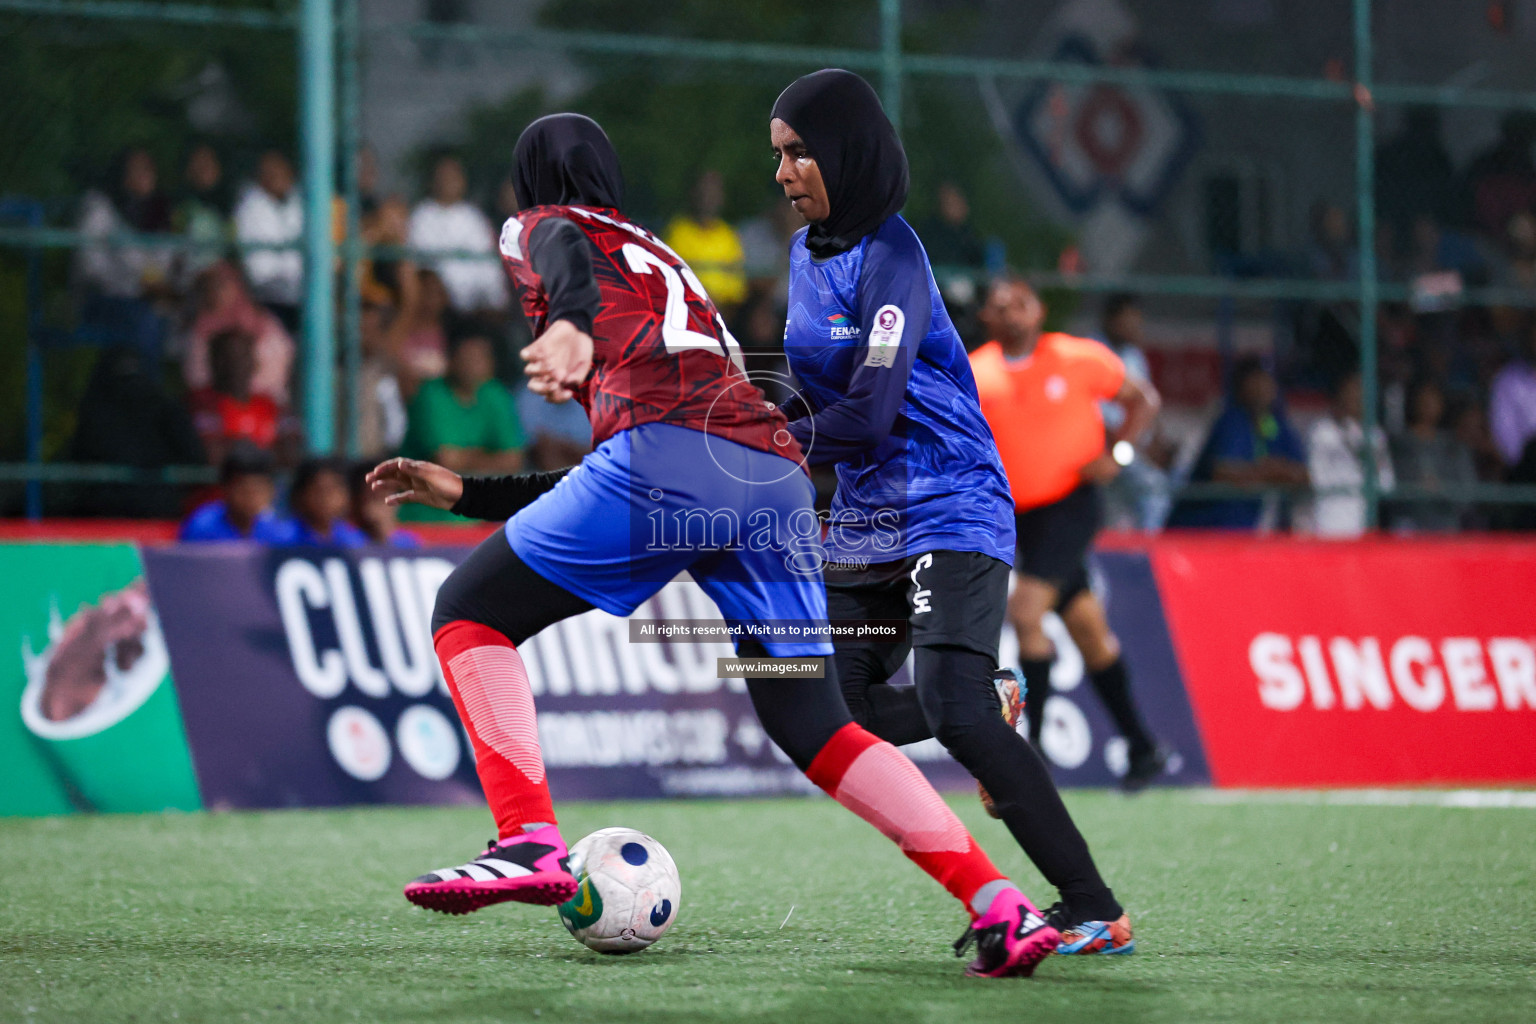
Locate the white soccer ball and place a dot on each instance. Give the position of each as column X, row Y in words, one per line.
column 629, row 892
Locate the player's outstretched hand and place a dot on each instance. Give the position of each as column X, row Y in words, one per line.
column 558, row 362
column 411, row 481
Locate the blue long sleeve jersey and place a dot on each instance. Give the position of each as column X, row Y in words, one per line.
column 886, row 393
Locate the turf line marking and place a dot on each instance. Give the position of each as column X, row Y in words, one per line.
column 1464, row 799
column 787, row 917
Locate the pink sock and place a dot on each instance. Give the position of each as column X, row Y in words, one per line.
column 490, row 689
column 878, row 783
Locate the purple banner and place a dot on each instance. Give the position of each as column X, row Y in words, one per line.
column 307, row 678
column 310, row 678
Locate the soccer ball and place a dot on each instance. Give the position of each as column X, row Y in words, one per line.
column 629, row 891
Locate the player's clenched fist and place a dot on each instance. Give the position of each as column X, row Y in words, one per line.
column 412, row 481
column 559, row 361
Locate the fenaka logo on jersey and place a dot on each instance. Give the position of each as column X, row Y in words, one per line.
column 885, row 339
column 842, row 327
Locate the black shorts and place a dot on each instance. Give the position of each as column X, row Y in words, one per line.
column 1054, row 541
column 948, row 598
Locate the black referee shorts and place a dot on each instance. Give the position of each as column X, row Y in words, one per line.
column 1054, row 541
column 949, row 599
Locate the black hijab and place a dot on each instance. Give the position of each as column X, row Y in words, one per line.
column 846, row 132
column 566, row 160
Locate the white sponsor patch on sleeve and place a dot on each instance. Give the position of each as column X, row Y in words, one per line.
column 885, row 336
column 511, row 234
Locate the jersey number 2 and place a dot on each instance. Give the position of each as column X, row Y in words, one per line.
column 674, row 324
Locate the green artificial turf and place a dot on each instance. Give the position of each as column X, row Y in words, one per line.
column 1249, row 911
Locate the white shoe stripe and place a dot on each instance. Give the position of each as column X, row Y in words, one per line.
column 506, row 867
column 477, row 873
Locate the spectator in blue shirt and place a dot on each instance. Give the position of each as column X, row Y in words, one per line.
column 318, row 506
column 1250, row 445
column 245, row 510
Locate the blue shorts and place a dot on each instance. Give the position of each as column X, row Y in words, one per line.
column 656, row 501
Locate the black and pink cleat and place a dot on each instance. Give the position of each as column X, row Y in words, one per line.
column 530, row 868
column 1011, row 938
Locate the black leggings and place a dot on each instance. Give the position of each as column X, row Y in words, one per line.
column 495, row 588
column 955, row 701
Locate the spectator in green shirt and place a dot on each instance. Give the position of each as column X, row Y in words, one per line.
column 465, row 421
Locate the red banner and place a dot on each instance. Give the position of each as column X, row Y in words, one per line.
column 1369, row 663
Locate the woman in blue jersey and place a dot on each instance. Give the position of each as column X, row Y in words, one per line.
column 921, row 526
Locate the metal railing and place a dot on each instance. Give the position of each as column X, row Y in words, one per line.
column 329, row 33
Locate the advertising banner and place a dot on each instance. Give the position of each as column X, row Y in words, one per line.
column 307, row 678
column 88, row 714
column 1078, row 737
column 1357, row 664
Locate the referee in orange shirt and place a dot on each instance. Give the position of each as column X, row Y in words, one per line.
column 1040, row 392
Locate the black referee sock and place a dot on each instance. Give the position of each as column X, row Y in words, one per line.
column 1037, row 687
column 1113, row 686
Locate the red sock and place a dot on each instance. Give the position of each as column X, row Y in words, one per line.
column 876, row 781
column 490, row 688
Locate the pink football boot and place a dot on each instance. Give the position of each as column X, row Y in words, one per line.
column 530, row 868
column 1011, row 938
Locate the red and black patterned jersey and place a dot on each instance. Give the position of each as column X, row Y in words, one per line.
column 661, row 353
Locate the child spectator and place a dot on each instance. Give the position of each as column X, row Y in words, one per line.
column 1336, row 452
column 229, row 411
column 466, row 420
column 224, row 304
column 245, row 510
column 373, row 516
column 1427, row 456
column 317, row 508
column 447, row 221
column 272, row 212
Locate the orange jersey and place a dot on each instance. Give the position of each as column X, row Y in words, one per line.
column 1044, row 411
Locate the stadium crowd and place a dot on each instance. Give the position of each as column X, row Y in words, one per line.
column 439, row 379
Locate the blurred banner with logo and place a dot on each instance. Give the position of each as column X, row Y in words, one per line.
column 1369, row 663
column 88, row 715
column 307, row 678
